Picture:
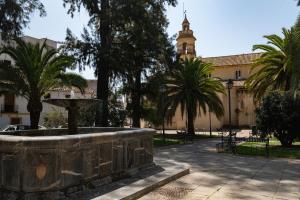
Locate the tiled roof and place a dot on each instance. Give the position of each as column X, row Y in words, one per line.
column 242, row 59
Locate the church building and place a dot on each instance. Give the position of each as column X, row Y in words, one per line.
column 234, row 67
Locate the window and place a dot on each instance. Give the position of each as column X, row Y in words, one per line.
column 184, row 48
column 9, row 103
column 238, row 74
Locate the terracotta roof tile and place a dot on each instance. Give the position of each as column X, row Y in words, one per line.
column 242, row 59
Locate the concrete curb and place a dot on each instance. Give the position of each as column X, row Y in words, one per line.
column 143, row 187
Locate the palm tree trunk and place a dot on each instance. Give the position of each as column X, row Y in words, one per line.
column 191, row 129
column 136, row 101
column 35, row 108
column 103, row 66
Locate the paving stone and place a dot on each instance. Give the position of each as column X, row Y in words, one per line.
column 223, row 176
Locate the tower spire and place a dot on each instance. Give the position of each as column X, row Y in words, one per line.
column 186, row 40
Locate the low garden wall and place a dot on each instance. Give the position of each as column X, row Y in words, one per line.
column 35, row 164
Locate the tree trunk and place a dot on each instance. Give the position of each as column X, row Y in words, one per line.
column 103, row 66
column 136, row 101
column 35, row 108
column 191, row 129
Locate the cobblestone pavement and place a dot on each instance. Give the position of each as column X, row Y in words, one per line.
column 224, row 176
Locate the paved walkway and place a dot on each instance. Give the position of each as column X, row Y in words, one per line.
column 224, row 176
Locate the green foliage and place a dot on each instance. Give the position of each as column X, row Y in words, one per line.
column 274, row 65
column 86, row 116
column 275, row 150
column 54, row 119
column 36, row 69
column 191, row 88
column 279, row 115
column 159, row 142
column 294, row 47
column 132, row 48
column 152, row 114
column 117, row 112
column 15, row 15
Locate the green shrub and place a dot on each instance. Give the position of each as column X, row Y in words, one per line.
column 55, row 119
column 279, row 115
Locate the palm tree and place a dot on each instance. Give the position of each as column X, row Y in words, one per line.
column 36, row 69
column 192, row 88
column 294, row 47
column 273, row 67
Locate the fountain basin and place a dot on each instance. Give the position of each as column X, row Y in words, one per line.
column 49, row 160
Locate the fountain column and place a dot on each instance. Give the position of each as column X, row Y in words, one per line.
column 72, row 117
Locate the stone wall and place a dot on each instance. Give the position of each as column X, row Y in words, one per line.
column 56, row 163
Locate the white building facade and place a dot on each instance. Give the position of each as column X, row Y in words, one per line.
column 13, row 108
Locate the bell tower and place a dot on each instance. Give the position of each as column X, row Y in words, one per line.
column 186, row 41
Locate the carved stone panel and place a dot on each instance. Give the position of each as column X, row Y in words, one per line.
column 105, row 159
column 132, row 145
column 148, row 146
column 118, row 157
column 90, row 163
column 139, row 157
column 71, row 167
column 41, row 170
column 11, row 170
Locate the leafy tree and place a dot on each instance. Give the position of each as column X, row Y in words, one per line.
column 191, row 88
column 117, row 112
column 86, row 116
column 15, row 15
column 279, row 115
column 36, row 69
column 100, row 20
column 274, row 66
column 135, row 45
column 145, row 48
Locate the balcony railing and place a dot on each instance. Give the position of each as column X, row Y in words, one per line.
column 9, row 109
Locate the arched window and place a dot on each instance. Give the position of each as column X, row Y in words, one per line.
column 184, row 48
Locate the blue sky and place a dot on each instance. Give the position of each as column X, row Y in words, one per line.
column 222, row 27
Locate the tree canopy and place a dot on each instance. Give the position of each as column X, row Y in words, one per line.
column 131, row 44
column 15, row 15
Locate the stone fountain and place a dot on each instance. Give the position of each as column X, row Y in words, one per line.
column 54, row 163
column 72, row 106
